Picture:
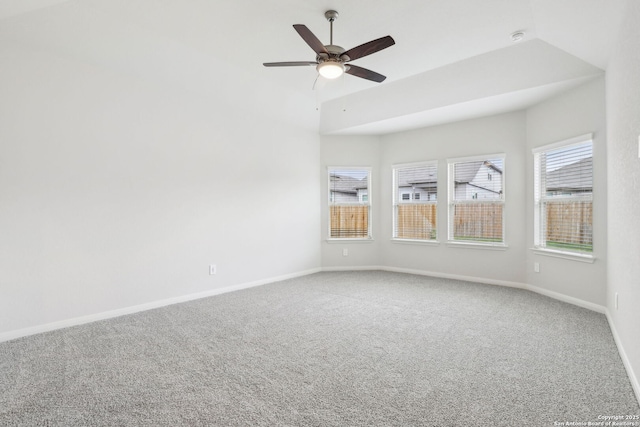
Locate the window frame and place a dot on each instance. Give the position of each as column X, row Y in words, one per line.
column 397, row 201
column 539, row 240
column 451, row 202
column 367, row 203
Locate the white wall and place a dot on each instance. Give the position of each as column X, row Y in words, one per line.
column 503, row 133
column 577, row 112
column 497, row 134
column 623, row 132
column 362, row 151
column 116, row 192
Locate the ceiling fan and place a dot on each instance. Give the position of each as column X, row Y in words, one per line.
column 332, row 61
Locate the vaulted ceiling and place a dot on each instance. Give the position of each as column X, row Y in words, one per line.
column 452, row 60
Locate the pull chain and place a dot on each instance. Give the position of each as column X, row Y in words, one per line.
column 317, row 91
column 344, row 92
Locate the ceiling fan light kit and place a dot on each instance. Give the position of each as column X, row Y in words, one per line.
column 331, row 69
column 331, row 60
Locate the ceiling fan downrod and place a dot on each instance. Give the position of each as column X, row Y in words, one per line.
column 331, row 16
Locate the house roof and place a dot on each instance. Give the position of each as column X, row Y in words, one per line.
column 468, row 172
column 418, row 177
column 575, row 176
column 346, row 184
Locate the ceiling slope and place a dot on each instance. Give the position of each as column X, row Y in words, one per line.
column 9, row 8
column 502, row 80
column 216, row 49
column 586, row 29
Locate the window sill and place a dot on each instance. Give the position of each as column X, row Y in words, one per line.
column 487, row 246
column 572, row 256
column 416, row 242
column 349, row 240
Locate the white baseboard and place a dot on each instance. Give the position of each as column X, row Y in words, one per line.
column 7, row 336
column 457, row 277
column 633, row 378
column 555, row 295
column 565, row 298
column 359, row 268
column 429, row 273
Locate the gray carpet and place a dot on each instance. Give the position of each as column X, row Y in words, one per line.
column 329, row 349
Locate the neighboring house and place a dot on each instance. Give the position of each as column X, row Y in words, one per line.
column 347, row 189
column 478, row 180
column 420, row 184
column 574, row 178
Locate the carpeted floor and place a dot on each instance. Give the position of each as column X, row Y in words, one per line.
column 329, row 349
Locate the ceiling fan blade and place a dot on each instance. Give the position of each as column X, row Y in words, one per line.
column 310, row 38
column 289, row 64
column 369, row 48
column 354, row 70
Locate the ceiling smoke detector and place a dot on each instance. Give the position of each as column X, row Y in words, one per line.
column 517, row 36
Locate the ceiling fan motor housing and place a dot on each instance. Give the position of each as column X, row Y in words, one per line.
column 335, row 54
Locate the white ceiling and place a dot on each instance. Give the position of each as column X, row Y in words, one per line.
column 218, row 47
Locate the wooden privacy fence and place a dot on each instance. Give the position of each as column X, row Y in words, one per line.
column 570, row 222
column 417, row 221
column 478, row 221
column 349, row 221
column 566, row 222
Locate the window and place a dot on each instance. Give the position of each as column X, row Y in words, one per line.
column 563, row 217
column 349, row 203
column 415, row 189
column 476, row 200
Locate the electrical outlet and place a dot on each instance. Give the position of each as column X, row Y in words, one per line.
column 536, row 267
column 616, row 300
column 345, row 252
column 212, row 269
